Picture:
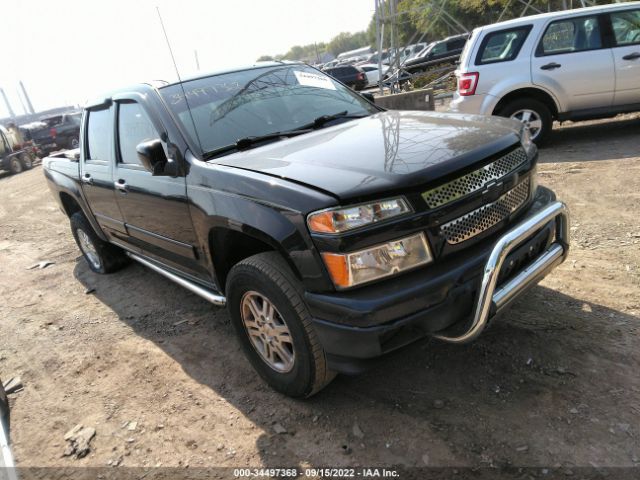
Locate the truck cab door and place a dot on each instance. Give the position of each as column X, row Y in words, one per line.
column 96, row 170
column 155, row 208
column 574, row 62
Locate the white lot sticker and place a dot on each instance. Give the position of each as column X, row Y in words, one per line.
column 313, row 80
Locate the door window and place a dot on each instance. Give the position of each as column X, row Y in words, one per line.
column 99, row 135
column 456, row 44
column 571, row 35
column 626, row 27
column 438, row 49
column 134, row 127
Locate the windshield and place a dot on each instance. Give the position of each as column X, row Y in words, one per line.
column 256, row 102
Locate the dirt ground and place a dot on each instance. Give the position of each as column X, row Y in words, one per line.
column 554, row 383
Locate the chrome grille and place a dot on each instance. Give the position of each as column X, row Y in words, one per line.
column 485, row 217
column 473, row 181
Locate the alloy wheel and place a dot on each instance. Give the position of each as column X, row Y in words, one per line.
column 89, row 250
column 268, row 331
column 531, row 119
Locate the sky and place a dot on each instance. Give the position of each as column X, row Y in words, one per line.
column 66, row 51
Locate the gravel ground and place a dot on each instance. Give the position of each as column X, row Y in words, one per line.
column 159, row 376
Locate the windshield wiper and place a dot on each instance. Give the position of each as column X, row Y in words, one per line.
column 320, row 121
column 248, row 142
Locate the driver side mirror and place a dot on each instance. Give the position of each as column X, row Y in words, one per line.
column 152, row 157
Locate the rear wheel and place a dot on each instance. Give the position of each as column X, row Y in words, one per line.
column 534, row 114
column 27, row 163
column 274, row 326
column 74, row 143
column 101, row 256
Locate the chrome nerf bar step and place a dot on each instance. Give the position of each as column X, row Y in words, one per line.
column 490, row 296
column 208, row 295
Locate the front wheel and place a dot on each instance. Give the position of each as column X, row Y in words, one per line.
column 15, row 165
column 101, row 256
column 274, row 326
column 534, row 114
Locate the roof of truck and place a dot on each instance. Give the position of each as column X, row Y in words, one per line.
column 233, row 69
column 158, row 84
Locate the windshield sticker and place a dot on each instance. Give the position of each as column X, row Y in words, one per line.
column 314, row 80
column 211, row 92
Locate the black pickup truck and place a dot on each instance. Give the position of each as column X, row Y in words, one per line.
column 56, row 132
column 334, row 231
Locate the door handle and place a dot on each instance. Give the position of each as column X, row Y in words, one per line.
column 121, row 185
column 87, row 179
column 550, row 66
column 632, row 56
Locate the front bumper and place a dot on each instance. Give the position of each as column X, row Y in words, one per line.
column 453, row 301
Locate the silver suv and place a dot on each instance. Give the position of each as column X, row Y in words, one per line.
column 570, row 65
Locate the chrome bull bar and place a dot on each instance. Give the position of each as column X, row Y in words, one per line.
column 491, row 298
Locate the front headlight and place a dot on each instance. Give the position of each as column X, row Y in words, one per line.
column 339, row 220
column 350, row 269
column 527, row 143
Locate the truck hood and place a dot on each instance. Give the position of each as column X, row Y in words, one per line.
column 381, row 154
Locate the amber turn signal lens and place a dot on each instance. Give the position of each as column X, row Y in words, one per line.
column 322, row 222
column 337, row 266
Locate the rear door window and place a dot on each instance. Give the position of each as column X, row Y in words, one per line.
column 626, row 27
column 502, row 46
column 571, row 35
column 99, row 135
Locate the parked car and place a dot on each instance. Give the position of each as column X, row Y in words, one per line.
column 442, row 51
column 373, row 73
column 56, row 132
column 350, row 75
column 334, row 231
column 570, row 65
column 14, row 160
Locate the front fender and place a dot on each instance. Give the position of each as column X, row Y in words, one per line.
column 261, row 207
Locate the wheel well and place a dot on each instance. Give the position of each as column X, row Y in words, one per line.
column 536, row 93
column 229, row 247
column 69, row 204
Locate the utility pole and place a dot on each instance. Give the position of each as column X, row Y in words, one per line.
column 6, row 102
column 379, row 42
column 24, row 108
column 26, row 98
column 195, row 53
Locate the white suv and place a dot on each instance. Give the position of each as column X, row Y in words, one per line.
column 570, row 65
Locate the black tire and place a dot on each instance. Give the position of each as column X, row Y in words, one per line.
column 270, row 276
column 108, row 258
column 73, row 143
column 536, row 106
column 27, row 163
column 15, row 165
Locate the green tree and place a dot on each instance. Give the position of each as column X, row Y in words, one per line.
column 345, row 41
column 265, row 58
